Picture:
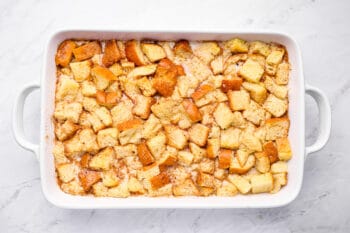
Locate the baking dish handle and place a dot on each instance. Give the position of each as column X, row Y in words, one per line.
column 17, row 123
column 325, row 118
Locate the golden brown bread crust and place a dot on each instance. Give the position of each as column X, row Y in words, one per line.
column 134, row 53
column 87, row 50
column 144, row 154
column 65, row 53
column 111, row 54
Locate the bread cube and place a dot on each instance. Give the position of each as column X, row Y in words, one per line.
column 111, row 54
column 205, row 180
column 201, row 91
column 121, row 113
column 282, row 74
column 254, row 113
column 134, row 53
column 275, row 106
column 283, row 148
column 81, row 70
column 65, row 130
column 242, row 157
column 135, row 186
column 192, row 110
column 102, row 77
column 103, row 160
column 95, row 122
column 107, row 137
column 260, row 48
column 207, row 51
column 165, row 109
column 68, row 111
column 271, row 151
column 169, row 158
column 217, row 65
column 230, row 138
column 223, row 116
column 58, row 153
column 198, row 152
column 88, row 178
column 157, row 145
column 132, row 134
column 87, row 50
column 277, row 128
column 187, row 188
column 153, row 52
column 67, row 172
column 279, row 167
column 142, row 71
column 262, row 183
column 151, row 127
column 73, row 187
column 88, row 88
column 165, row 79
column 262, row 162
column 251, row 141
column 225, row 157
column 257, row 92
column 148, row 172
column 213, row 147
column 251, row 70
column 65, row 53
column 207, row 166
column 129, row 150
column 119, row 191
column 275, row 57
column 278, row 90
column 198, row 134
column 233, row 84
column 238, row 100
column 185, row 157
column 182, row 49
column 238, row 120
column 235, row 166
column 104, row 115
column 110, row 178
column 227, row 190
column 237, row 45
column 108, row 99
column 67, row 88
column 160, row 180
column 241, row 184
column 175, row 136
column 146, row 86
column 90, row 104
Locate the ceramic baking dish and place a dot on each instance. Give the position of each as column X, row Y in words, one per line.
column 297, row 91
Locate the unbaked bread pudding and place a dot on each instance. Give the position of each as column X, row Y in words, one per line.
column 160, row 118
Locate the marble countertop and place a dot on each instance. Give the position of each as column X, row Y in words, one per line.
column 322, row 29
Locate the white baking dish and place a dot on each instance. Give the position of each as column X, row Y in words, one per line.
column 296, row 113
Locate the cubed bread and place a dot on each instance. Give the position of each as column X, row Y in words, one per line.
column 192, row 111
column 65, row 53
column 67, row 172
column 251, row 70
column 73, row 187
column 235, row 166
column 175, row 136
column 156, row 145
column 260, row 47
column 141, row 71
column 81, row 70
column 185, row 157
column 227, row 190
column 111, row 53
column 233, row 84
column 90, row 104
column 282, row 74
column 187, row 188
column 279, row 167
column 135, row 186
column 153, row 52
column 160, row 180
column 276, row 106
column 131, row 132
column 238, row 100
column 213, row 147
column 278, row 90
column 168, row 158
column 165, row 79
column 65, row 130
column 257, row 91
column 277, row 128
column 207, row 166
column 146, row 86
column 262, row 162
column 182, row 48
column 151, row 127
column 254, row 113
column 271, row 151
column 242, row 156
column 107, row 137
column 88, row 178
column 241, row 184
column 237, row 45
column 225, row 157
column 110, row 178
column 134, row 53
column 283, row 148
column 205, row 180
column 103, row 160
column 198, row 152
column 223, row 116
column 129, row 150
column 87, row 50
column 58, row 153
column 142, row 106
column 201, row 91
column 67, row 88
column 68, row 111
column 198, row 134
column 102, row 77
column 262, row 183
column 251, row 141
column 104, row 115
column 217, row 65
column 88, row 88
column 119, row 191
column 230, row 138
column 121, row 112
column 207, row 51
column 275, row 57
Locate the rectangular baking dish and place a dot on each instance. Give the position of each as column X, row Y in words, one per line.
column 297, row 91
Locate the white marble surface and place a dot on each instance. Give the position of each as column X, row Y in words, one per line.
column 321, row 27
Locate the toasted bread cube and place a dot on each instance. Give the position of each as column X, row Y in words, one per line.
column 143, row 105
column 87, row 50
column 157, row 145
column 217, row 65
column 148, row 172
column 223, row 116
column 237, row 45
column 153, row 52
column 277, row 128
column 67, row 172
column 233, row 84
column 251, row 70
column 198, row 152
column 251, row 142
column 282, row 74
column 142, row 71
column 81, row 70
column 283, row 148
column 146, row 86
column 235, row 166
column 84, row 160
column 185, row 157
column 131, row 135
column 90, row 104
column 103, row 160
column 65, row 53
column 144, row 154
column 175, row 137
column 88, row 140
column 104, row 115
column 169, row 158
column 102, row 77
column 202, row 91
column 227, row 189
column 254, row 113
column 260, row 48
column 65, row 130
column 95, row 122
column 107, row 137
column 99, row 190
column 58, row 153
column 88, row 88
column 262, row 183
column 205, row 180
column 108, row 99
column 165, row 109
column 192, row 110
column 165, row 79
column 238, row 120
column 110, row 178
column 117, row 69
column 68, row 111
column 111, row 54
column 257, row 92
column 182, row 49
column 199, row 134
column 213, row 147
column 238, row 100
column 207, row 51
column 271, row 151
column 207, row 166
column 121, row 113
column 279, row 167
column 277, row 90
column 275, row 106
column 160, row 180
column 280, row 178
column 242, row 157
column 129, row 150
column 67, row 88
column 119, row 191
column 187, row 188
column 135, row 186
column 262, row 163
column 88, row 178
column 275, row 57
column 134, row 53
column 241, row 184
column 151, row 127
column 73, row 187
column 230, row 138
column 225, row 157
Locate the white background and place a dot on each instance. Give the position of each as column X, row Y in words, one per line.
column 322, row 29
